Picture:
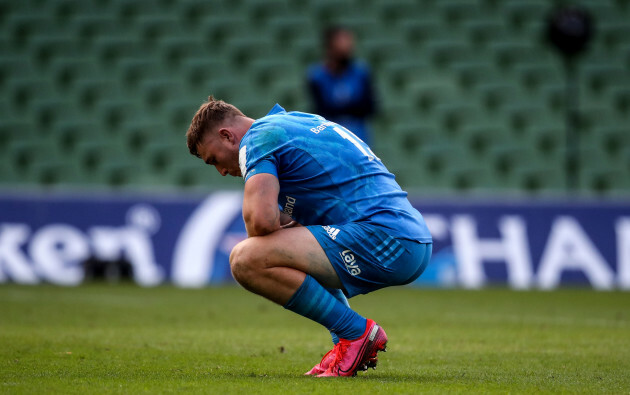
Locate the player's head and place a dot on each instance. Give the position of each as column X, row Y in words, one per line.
column 215, row 133
column 339, row 44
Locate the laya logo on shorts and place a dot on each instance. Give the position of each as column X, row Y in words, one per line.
column 332, row 232
column 350, row 261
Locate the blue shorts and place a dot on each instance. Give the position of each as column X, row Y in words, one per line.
column 366, row 258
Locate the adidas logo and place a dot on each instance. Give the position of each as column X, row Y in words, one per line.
column 332, row 232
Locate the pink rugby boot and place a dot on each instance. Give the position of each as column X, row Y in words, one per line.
column 354, row 355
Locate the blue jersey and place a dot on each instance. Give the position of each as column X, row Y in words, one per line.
column 327, row 175
column 346, row 98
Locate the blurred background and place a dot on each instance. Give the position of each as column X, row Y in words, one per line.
column 472, row 97
column 472, row 100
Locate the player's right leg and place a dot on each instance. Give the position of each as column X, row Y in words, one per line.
column 340, row 296
column 329, row 357
column 289, row 267
column 367, row 258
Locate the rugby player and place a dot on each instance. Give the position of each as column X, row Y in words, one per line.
column 325, row 221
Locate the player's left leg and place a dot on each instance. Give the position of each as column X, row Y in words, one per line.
column 275, row 265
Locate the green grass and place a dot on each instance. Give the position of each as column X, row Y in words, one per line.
column 123, row 339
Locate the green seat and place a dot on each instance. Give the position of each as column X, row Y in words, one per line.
column 268, row 71
column 601, row 77
column 59, row 172
column 380, row 51
column 535, row 178
column 69, row 132
column 286, row 30
column 98, row 155
column 47, row 47
column 482, row 30
column 110, row 51
column 25, row 155
column 157, row 94
column 111, row 86
column 427, row 92
column 200, row 71
column 24, row 93
column 418, row 32
column 263, row 10
column 243, row 50
column 455, row 12
column 535, row 75
column 90, row 27
column 521, row 14
column 23, row 28
column 393, row 12
column 510, row 52
column 454, row 115
column 471, row 74
column 217, row 29
column 447, row 53
column 66, row 71
column 527, row 117
column 174, row 50
column 155, row 29
column 194, row 14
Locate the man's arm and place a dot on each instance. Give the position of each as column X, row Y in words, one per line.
column 260, row 205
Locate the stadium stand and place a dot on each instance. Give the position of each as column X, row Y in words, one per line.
column 99, row 94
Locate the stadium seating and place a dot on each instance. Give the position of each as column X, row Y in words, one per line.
column 98, row 94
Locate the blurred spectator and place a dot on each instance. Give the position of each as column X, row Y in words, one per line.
column 341, row 87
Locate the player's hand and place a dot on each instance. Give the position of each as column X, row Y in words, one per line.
column 292, row 224
column 287, row 222
column 289, row 225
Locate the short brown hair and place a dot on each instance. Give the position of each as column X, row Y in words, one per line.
column 209, row 115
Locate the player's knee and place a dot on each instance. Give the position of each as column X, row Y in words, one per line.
column 242, row 261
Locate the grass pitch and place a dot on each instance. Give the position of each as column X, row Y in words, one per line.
column 124, row 339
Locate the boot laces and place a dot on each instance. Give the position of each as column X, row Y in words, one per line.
column 340, row 351
column 326, row 355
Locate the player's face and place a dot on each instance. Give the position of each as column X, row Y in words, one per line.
column 342, row 47
column 221, row 151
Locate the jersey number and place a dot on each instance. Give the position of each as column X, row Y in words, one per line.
column 348, row 135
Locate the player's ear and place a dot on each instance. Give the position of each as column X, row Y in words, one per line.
column 225, row 134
